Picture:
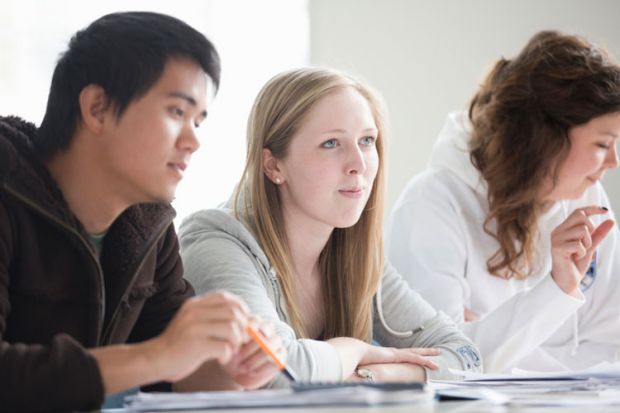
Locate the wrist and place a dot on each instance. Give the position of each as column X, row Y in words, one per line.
column 150, row 357
column 569, row 287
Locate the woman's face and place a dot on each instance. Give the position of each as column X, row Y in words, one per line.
column 331, row 163
column 592, row 152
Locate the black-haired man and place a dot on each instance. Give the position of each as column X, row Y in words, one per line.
column 92, row 299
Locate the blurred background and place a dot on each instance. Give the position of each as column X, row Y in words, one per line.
column 426, row 57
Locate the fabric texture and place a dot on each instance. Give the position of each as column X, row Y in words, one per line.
column 220, row 253
column 57, row 299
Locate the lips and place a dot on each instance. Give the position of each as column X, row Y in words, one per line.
column 178, row 167
column 352, row 192
column 352, row 189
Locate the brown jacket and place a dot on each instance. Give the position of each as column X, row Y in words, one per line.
column 57, row 298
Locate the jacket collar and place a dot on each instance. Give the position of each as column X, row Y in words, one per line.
column 24, row 173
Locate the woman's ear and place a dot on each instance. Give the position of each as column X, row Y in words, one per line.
column 271, row 166
column 93, row 105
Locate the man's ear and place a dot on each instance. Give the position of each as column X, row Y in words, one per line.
column 272, row 168
column 93, row 105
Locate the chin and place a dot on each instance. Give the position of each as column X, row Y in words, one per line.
column 164, row 197
column 348, row 222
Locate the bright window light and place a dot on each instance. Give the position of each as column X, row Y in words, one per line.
column 255, row 39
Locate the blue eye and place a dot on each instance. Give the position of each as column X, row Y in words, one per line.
column 331, row 143
column 368, row 140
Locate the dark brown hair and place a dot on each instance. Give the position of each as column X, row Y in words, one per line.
column 520, row 119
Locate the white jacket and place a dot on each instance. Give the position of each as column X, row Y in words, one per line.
column 437, row 242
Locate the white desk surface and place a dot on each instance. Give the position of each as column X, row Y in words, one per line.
column 438, row 407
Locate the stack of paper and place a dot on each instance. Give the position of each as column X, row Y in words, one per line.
column 591, row 387
column 325, row 395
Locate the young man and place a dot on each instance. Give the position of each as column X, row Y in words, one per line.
column 92, row 299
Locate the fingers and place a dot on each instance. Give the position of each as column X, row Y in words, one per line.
column 217, row 301
column 594, row 210
column 417, row 356
column 425, row 351
column 599, row 234
column 469, row 315
column 579, row 229
column 406, row 355
column 253, row 357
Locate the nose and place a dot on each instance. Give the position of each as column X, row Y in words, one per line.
column 188, row 139
column 611, row 161
column 356, row 163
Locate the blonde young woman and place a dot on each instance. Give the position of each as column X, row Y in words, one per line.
column 302, row 241
column 508, row 230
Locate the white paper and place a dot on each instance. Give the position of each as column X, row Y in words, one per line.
column 337, row 396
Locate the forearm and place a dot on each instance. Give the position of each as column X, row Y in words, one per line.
column 125, row 366
column 351, row 352
column 396, row 372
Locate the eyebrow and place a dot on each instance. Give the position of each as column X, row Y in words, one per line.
column 344, row 131
column 187, row 98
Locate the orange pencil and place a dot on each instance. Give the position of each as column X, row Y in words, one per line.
column 260, row 340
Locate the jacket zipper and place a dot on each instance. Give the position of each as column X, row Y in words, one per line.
column 275, row 285
column 106, row 333
column 72, row 231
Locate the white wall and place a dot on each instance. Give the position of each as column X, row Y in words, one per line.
column 427, row 57
column 253, row 38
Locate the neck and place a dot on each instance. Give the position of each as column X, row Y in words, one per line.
column 306, row 239
column 90, row 196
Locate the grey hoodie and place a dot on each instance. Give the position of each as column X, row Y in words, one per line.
column 220, row 253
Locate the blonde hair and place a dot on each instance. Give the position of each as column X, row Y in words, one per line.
column 351, row 263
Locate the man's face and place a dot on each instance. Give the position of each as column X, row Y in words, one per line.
column 147, row 150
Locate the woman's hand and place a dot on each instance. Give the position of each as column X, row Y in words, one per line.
column 573, row 244
column 390, row 355
column 251, row 367
column 393, row 372
column 354, row 353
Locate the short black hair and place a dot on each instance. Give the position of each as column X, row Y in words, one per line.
column 124, row 53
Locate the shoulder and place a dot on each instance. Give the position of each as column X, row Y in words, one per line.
column 439, row 192
column 15, row 143
column 215, row 238
column 216, row 224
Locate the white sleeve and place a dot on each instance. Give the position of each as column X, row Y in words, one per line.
column 521, row 324
column 596, row 327
column 429, row 247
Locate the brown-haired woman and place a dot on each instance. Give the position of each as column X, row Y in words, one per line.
column 508, row 230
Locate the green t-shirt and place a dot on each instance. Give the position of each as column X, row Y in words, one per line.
column 98, row 241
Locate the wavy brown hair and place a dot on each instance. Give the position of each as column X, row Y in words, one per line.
column 351, row 263
column 520, row 120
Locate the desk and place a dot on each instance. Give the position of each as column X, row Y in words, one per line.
column 443, row 407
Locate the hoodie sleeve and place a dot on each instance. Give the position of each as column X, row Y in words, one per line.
column 60, row 376
column 430, row 246
column 219, row 261
column 596, row 326
column 402, row 318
